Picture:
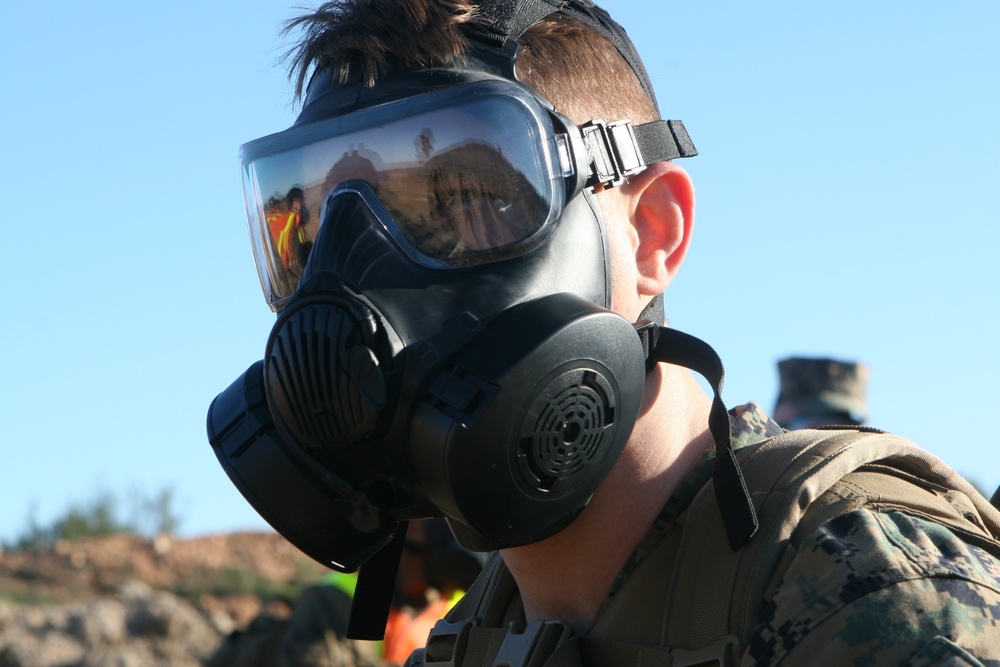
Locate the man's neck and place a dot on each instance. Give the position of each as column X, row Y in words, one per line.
column 567, row 576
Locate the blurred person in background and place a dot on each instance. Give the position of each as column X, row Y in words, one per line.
column 818, row 391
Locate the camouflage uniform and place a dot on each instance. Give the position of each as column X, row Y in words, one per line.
column 867, row 588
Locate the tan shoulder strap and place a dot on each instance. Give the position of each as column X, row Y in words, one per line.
column 695, row 601
column 717, row 594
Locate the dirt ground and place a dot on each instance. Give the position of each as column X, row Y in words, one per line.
column 218, row 573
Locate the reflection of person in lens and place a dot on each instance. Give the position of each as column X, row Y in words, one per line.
column 285, row 225
column 357, row 163
column 480, row 202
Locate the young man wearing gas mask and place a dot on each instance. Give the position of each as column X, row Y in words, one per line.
column 476, row 335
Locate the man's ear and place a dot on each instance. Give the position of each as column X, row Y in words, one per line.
column 663, row 220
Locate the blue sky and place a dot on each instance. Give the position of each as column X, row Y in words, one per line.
column 850, row 158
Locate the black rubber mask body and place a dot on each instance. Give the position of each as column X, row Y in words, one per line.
column 497, row 395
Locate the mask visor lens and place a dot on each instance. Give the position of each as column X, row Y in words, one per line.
column 466, row 181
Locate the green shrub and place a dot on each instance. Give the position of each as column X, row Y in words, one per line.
column 99, row 516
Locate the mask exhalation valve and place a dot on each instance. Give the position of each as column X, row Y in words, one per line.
column 324, row 379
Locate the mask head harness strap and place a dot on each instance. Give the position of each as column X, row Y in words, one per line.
column 500, row 20
column 618, row 149
column 665, row 345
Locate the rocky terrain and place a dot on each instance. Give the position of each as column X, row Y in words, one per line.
column 128, row 601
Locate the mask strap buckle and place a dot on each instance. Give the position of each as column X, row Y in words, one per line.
column 618, row 150
column 614, row 152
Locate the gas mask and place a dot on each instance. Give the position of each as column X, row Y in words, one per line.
column 443, row 345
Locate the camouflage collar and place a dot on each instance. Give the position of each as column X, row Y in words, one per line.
column 748, row 425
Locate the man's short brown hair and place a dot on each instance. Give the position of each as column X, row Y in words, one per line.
column 574, row 67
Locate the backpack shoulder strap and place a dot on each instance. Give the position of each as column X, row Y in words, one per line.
column 702, row 597
column 717, row 594
column 489, row 596
column 486, row 627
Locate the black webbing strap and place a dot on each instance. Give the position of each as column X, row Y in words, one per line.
column 467, row 644
column 620, row 149
column 670, row 346
column 653, row 312
column 505, row 19
column 617, row 149
column 663, row 140
column 373, row 594
column 596, row 18
column 499, row 20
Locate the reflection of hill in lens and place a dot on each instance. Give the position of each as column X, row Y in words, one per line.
column 356, row 163
column 468, row 198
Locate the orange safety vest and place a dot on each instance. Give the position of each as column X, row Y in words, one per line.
column 404, row 633
column 283, row 227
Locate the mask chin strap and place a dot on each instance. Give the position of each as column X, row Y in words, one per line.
column 373, row 593
column 665, row 345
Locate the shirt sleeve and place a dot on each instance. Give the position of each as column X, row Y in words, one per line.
column 871, row 588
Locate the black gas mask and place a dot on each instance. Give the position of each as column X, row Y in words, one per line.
column 443, row 347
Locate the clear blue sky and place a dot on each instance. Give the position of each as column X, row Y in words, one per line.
column 847, row 184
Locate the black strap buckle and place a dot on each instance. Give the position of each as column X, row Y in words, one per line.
column 447, row 641
column 614, row 152
column 465, row 643
column 719, row 654
column 535, row 643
